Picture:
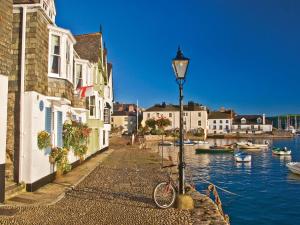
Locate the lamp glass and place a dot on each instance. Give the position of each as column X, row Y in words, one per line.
column 180, row 67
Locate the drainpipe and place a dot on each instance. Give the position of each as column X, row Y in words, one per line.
column 22, row 90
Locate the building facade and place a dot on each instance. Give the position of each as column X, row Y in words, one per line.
column 251, row 124
column 220, row 122
column 125, row 117
column 194, row 116
column 6, row 12
column 48, row 83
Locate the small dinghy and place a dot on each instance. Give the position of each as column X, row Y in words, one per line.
column 281, row 151
column 201, row 142
column 187, row 142
column 242, row 157
column 294, row 167
column 165, row 143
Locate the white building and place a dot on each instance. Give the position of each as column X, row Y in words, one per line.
column 220, row 122
column 194, row 116
column 251, row 124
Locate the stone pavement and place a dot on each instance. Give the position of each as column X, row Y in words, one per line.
column 117, row 191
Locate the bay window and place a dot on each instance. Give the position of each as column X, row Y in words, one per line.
column 78, row 76
column 92, row 106
column 55, row 54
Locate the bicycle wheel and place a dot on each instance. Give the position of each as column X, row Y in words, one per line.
column 164, row 195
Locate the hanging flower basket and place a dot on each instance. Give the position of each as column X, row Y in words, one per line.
column 44, row 140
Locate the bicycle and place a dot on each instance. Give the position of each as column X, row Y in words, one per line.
column 164, row 193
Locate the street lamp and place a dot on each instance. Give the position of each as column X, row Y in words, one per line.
column 180, row 65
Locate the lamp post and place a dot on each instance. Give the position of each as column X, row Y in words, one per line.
column 180, row 65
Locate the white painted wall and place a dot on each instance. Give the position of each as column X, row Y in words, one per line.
column 220, row 126
column 3, row 116
column 244, row 127
column 190, row 118
column 35, row 163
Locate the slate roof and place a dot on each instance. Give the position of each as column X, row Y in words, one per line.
column 123, row 113
column 219, row 115
column 250, row 119
column 88, row 46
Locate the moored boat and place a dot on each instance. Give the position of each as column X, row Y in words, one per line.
column 294, row 167
column 201, row 142
column 165, row 143
column 242, row 157
column 281, row 151
column 212, row 150
column 187, row 143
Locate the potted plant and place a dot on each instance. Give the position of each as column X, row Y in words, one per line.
column 44, row 140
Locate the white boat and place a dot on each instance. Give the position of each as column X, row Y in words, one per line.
column 250, row 145
column 241, row 157
column 294, row 167
column 281, row 151
column 187, row 143
column 201, row 142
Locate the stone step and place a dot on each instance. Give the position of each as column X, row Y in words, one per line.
column 12, row 188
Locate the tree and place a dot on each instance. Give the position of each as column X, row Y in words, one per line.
column 151, row 123
column 162, row 123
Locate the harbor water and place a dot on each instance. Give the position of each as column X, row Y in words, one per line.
column 266, row 192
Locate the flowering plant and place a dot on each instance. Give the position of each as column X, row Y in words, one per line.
column 44, row 140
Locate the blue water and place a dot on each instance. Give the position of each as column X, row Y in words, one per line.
column 267, row 192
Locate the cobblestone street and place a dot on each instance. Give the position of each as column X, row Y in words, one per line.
column 118, row 191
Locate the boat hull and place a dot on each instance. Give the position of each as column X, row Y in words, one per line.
column 294, row 167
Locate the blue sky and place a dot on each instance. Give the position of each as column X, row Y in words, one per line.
column 245, row 54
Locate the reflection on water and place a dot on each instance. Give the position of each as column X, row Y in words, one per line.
column 265, row 186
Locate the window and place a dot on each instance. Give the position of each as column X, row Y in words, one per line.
column 259, row 120
column 215, row 127
column 157, row 114
column 221, row 127
column 148, row 115
column 199, row 114
column 243, row 121
column 68, row 61
column 227, row 127
column 78, row 76
column 221, row 121
column 199, row 122
column 227, row 121
column 215, row 121
column 170, row 115
column 112, row 119
column 106, row 115
column 92, row 106
column 55, row 54
column 239, row 127
column 184, row 122
column 126, row 119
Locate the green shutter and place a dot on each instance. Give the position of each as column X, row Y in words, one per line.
column 48, row 119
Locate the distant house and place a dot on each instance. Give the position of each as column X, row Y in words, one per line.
column 220, row 122
column 194, row 115
column 251, row 124
column 125, row 116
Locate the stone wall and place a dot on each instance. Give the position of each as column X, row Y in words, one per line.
column 36, row 77
column 5, row 36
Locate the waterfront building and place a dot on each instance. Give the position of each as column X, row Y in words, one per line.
column 251, row 124
column 49, row 83
column 91, row 47
column 220, row 122
column 6, row 17
column 125, row 117
column 195, row 116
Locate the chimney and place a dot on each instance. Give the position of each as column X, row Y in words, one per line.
column 264, row 119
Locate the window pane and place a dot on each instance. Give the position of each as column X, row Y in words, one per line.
column 55, row 45
column 55, row 61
